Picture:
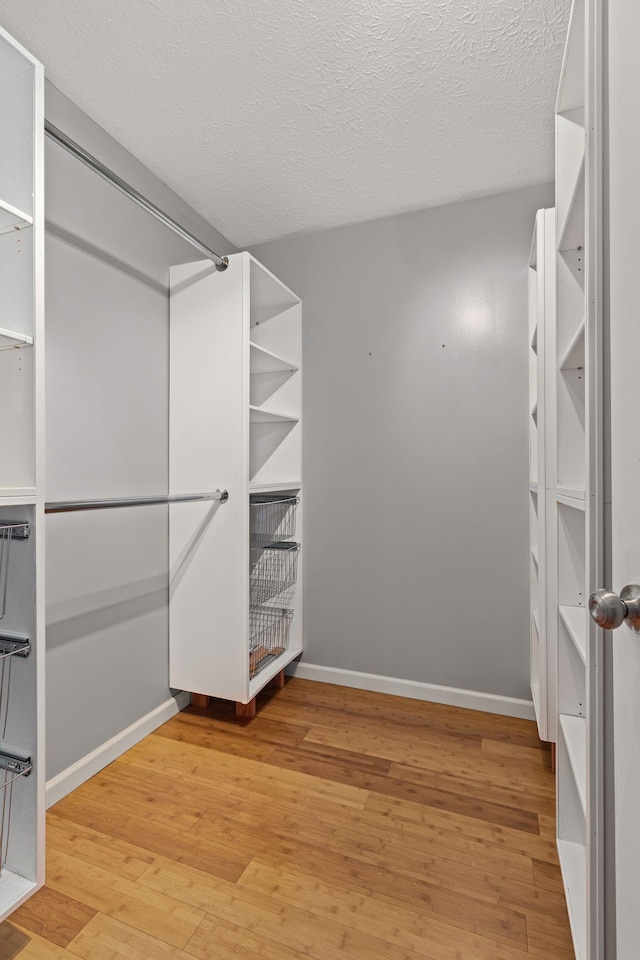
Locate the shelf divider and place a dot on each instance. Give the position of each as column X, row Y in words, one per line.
column 264, row 415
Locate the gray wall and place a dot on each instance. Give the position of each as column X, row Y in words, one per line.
column 107, row 266
column 415, row 452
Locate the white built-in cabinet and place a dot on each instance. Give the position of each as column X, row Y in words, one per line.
column 22, row 759
column 575, row 519
column 235, row 424
column 542, row 295
column 565, row 365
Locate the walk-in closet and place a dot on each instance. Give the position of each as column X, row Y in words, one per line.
column 319, row 583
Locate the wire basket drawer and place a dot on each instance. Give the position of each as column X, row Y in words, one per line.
column 269, row 636
column 273, row 519
column 274, row 574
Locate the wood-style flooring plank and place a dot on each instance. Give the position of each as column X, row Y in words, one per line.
column 289, row 925
column 345, row 703
column 126, row 859
column 337, row 825
column 216, row 939
column 105, row 938
column 220, row 860
column 422, row 933
column 161, row 916
column 21, row 944
column 53, row 916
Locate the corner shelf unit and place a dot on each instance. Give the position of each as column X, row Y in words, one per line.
column 541, row 310
column 573, row 495
column 235, row 422
column 22, row 753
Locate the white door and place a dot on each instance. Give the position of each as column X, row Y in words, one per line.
column 622, row 259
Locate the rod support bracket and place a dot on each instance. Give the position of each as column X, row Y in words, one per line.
column 220, row 267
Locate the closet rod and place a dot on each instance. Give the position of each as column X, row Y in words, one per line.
column 73, row 506
column 74, row 148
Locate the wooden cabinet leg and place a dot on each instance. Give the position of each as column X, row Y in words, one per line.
column 553, row 757
column 246, row 710
column 278, row 681
column 199, row 700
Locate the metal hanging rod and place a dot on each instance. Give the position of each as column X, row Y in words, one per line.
column 74, row 506
column 94, row 164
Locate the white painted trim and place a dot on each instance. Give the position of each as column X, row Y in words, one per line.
column 80, row 771
column 453, row 696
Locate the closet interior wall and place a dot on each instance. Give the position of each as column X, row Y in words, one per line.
column 415, row 392
column 107, row 265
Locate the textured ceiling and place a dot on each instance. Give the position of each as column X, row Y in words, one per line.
column 276, row 117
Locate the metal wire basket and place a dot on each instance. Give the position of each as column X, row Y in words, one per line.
column 268, row 636
column 9, row 531
column 14, row 765
column 274, row 574
column 273, row 519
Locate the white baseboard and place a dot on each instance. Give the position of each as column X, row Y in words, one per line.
column 452, row 696
column 62, row 784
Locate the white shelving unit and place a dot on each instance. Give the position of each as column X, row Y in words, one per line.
column 22, row 755
column 573, row 496
column 235, row 423
column 541, row 310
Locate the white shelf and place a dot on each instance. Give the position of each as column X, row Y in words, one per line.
column 18, row 495
column 570, row 496
column 274, row 487
column 533, row 486
column 263, row 678
column 263, row 415
column 248, row 329
column 534, row 411
column 574, row 733
column 574, row 355
column 534, row 339
column 12, row 219
column 263, row 361
column 573, row 860
column 575, row 620
column 572, row 502
column 534, row 617
column 14, row 890
column 534, row 556
column 9, row 338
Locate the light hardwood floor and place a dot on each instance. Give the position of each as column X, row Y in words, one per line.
column 337, row 825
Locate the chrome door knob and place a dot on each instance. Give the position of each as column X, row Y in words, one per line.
column 610, row 610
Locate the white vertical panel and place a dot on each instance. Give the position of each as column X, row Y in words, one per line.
column 209, row 412
column 624, row 158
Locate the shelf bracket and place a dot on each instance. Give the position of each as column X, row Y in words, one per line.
column 13, row 530
column 15, row 762
column 14, row 646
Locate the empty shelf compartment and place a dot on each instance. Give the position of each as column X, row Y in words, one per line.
column 575, row 621
column 574, row 733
